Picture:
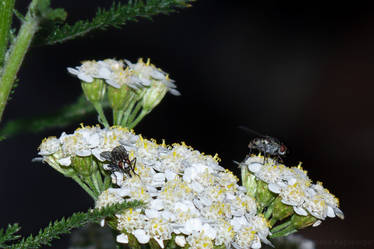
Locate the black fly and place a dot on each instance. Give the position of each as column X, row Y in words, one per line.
column 119, row 160
column 270, row 146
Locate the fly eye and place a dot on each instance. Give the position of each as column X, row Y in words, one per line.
column 282, row 150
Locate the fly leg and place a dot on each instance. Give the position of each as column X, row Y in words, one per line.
column 132, row 166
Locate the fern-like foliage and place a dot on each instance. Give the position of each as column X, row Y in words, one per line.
column 9, row 234
column 55, row 229
column 116, row 16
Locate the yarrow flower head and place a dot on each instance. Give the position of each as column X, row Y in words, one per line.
column 189, row 198
column 138, row 87
column 291, row 191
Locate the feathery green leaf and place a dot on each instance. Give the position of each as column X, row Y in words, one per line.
column 55, row 229
column 116, row 16
column 65, row 116
column 8, row 234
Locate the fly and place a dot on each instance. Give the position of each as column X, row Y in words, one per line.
column 269, row 146
column 119, row 160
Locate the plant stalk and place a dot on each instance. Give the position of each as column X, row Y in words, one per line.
column 17, row 53
column 6, row 13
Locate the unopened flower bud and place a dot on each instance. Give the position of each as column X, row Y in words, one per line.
column 84, row 166
column 299, row 221
column 263, row 195
column 248, row 180
column 94, row 91
column 118, row 96
column 153, row 95
column 281, row 210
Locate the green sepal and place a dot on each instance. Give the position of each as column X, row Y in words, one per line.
column 299, row 221
column 264, row 196
column 219, row 247
column 170, row 244
column 153, row 95
column 133, row 242
column 153, row 244
column 118, row 97
column 248, row 181
column 84, row 166
column 94, row 91
column 280, row 210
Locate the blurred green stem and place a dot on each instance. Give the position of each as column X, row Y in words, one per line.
column 17, row 53
column 280, row 227
column 138, row 119
column 6, row 13
column 100, row 111
column 85, row 187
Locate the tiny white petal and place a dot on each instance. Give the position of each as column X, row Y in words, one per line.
column 180, row 240
column 209, row 231
column 102, row 222
column 122, row 238
column 300, row 211
column 292, row 181
column 256, row 244
column 339, row 213
column 330, row 212
column 174, row 92
column 141, row 236
column 83, row 152
column 156, row 204
column 170, row 175
column 160, row 242
column 275, row 188
column 192, row 225
column 72, row 70
column 151, row 213
column 66, row 161
column 317, row 223
column 85, row 77
column 254, row 167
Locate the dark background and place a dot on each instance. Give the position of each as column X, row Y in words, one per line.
column 302, row 73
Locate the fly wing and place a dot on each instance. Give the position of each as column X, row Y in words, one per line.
column 107, row 155
column 250, row 131
column 119, row 154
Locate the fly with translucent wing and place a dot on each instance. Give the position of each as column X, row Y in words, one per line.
column 269, row 146
column 119, row 160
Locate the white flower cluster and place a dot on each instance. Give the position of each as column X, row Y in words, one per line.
column 114, row 72
column 187, row 195
column 295, row 188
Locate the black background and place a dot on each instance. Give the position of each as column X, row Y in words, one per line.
column 302, row 73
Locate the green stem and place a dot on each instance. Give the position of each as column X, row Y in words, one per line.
column 138, row 119
column 272, row 221
column 280, row 227
column 128, row 109
column 128, row 98
column 116, row 114
column 107, row 182
column 85, row 187
column 284, row 232
column 100, row 111
column 100, row 180
column 268, row 212
column 6, row 11
column 17, row 53
column 135, row 111
column 90, row 183
column 96, row 183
